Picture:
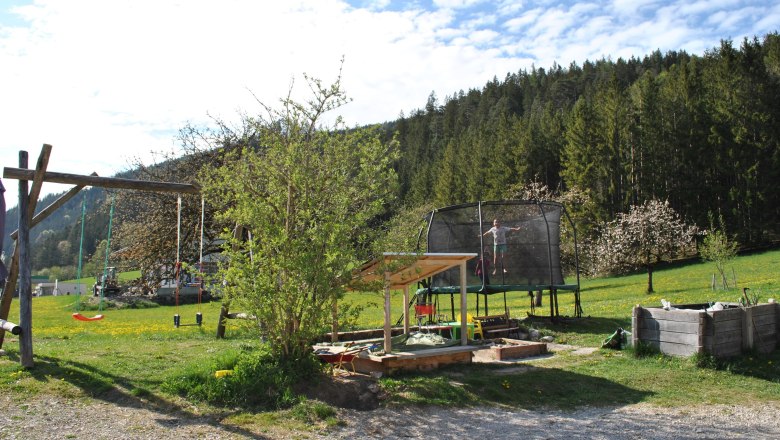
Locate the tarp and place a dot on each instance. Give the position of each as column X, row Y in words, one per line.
column 421, row 341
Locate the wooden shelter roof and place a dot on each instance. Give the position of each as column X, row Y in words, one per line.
column 408, row 268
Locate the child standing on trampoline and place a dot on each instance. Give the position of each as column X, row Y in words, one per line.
column 499, row 242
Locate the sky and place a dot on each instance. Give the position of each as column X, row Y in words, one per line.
column 108, row 82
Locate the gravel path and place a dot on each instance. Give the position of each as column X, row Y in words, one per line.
column 58, row 418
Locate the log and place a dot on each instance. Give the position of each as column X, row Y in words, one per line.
column 25, row 285
column 103, row 182
column 10, row 327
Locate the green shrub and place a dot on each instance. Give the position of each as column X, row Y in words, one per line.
column 258, row 380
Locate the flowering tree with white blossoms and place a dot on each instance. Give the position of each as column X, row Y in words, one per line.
column 645, row 236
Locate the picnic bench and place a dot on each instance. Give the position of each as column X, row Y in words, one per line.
column 497, row 325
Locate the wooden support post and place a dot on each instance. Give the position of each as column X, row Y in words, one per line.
column 387, row 329
column 747, row 329
column 13, row 270
column 635, row 323
column 464, row 329
column 406, row 309
column 334, row 330
column 25, row 288
column 702, row 323
column 552, row 305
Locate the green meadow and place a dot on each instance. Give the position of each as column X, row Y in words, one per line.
column 133, row 351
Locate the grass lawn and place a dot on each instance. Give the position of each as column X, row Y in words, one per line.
column 133, row 351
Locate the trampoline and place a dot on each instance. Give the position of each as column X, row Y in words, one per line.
column 531, row 251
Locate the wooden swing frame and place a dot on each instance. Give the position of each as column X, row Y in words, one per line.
column 20, row 270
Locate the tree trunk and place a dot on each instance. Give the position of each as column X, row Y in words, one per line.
column 649, row 278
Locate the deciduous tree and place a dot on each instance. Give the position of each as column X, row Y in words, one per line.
column 645, row 236
column 307, row 194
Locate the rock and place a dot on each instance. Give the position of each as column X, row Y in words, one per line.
column 534, row 335
column 547, row 339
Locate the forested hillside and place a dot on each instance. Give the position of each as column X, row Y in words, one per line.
column 699, row 130
column 56, row 239
column 702, row 131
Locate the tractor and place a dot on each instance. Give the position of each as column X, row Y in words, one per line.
column 109, row 279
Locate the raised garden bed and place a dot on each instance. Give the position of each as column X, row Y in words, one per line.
column 513, row 349
column 691, row 329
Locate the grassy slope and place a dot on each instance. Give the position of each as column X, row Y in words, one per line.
column 132, row 351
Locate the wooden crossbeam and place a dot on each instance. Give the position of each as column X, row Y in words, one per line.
column 103, row 182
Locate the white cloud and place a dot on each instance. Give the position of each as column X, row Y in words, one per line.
column 456, row 4
column 106, row 81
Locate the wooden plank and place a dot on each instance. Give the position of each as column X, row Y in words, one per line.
column 673, row 349
column 766, row 329
column 726, row 315
column 764, row 310
column 671, row 326
column 761, row 320
column 767, row 347
column 103, row 182
column 723, row 338
column 666, row 336
column 671, row 315
column 727, row 350
column 724, row 327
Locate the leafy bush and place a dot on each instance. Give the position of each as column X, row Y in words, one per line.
column 259, row 380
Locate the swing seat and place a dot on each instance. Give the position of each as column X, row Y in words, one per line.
column 81, row 317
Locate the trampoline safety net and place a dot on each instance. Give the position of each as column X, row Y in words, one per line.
column 531, row 256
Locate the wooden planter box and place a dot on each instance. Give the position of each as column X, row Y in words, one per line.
column 513, row 349
column 721, row 333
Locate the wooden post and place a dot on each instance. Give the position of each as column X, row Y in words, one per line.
column 747, row 328
column 406, row 309
column 700, row 342
column 334, row 325
column 635, row 322
column 464, row 329
column 387, row 329
column 13, row 270
column 25, row 281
